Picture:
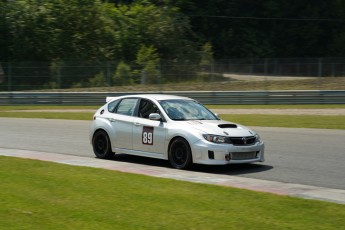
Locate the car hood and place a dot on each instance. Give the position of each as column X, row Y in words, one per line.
column 220, row 127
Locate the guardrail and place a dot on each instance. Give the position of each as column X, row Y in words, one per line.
column 206, row 97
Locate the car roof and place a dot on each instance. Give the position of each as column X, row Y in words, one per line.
column 157, row 97
column 160, row 97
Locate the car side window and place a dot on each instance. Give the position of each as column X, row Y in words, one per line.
column 147, row 107
column 127, row 106
column 112, row 105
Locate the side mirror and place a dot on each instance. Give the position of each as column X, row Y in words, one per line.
column 155, row 117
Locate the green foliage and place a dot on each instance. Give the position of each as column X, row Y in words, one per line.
column 148, row 60
column 207, row 65
column 98, row 81
column 143, row 23
column 147, row 55
column 98, row 31
column 93, row 29
column 57, row 29
column 206, row 55
column 268, row 28
column 52, row 85
column 81, row 32
column 123, row 75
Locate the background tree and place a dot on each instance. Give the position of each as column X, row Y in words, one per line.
column 206, row 56
column 148, row 60
column 75, row 40
column 123, row 75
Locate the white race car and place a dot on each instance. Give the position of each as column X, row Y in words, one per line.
column 178, row 129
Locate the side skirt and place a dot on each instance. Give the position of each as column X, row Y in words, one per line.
column 140, row 153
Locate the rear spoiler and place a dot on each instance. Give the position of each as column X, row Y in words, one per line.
column 107, row 99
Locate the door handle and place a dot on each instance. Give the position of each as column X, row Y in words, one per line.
column 137, row 124
column 111, row 119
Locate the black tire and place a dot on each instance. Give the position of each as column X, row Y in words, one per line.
column 101, row 145
column 180, row 155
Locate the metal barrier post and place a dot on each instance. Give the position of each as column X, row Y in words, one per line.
column 9, row 77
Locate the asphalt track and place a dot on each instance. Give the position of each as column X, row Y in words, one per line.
column 311, row 157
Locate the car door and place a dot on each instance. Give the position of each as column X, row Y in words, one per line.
column 149, row 135
column 122, row 123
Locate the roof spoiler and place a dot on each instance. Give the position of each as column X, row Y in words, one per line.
column 107, row 99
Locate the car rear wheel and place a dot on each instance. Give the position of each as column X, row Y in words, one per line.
column 180, row 155
column 101, row 145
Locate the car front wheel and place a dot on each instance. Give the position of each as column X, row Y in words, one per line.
column 180, row 155
column 101, row 145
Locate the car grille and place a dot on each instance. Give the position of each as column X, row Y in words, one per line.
column 243, row 140
column 243, row 155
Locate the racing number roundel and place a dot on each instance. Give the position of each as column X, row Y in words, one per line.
column 147, row 135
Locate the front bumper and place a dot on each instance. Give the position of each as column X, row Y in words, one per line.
column 205, row 152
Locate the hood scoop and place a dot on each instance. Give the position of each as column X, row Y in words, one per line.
column 225, row 126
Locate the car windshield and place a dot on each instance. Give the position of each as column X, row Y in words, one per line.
column 180, row 110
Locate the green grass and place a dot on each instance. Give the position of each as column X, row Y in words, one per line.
column 64, row 107
column 45, row 107
column 292, row 121
column 289, row 121
column 42, row 195
column 295, row 121
column 49, row 115
column 308, row 106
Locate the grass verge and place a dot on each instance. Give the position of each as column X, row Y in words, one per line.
column 36, row 194
column 71, row 107
column 308, row 106
column 49, row 115
column 291, row 121
column 45, row 107
column 287, row 121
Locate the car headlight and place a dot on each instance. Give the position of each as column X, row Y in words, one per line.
column 216, row 138
column 257, row 138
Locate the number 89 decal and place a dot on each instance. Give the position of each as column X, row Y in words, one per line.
column 147, row 135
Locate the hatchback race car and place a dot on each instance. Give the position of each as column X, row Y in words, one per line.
column 178, row 129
